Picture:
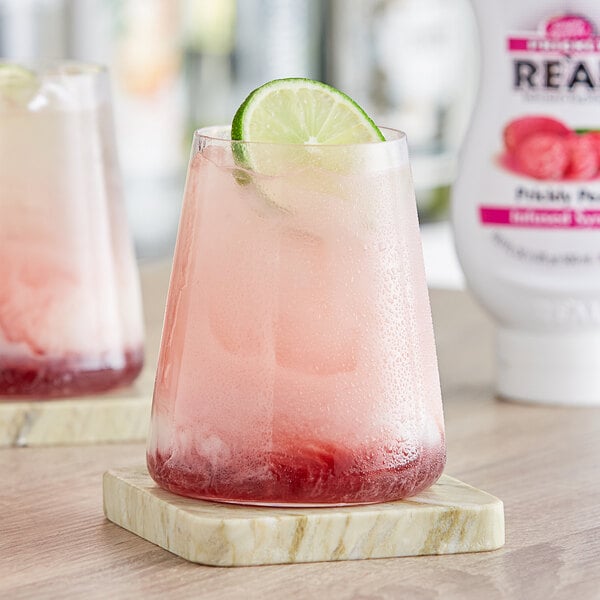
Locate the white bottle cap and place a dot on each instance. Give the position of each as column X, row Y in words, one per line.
column 558, row 368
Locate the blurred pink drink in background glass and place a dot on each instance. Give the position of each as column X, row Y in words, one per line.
column 297, row 363
column 70, row 311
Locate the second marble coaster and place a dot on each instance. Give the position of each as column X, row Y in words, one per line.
column 448, row 518
column 119, row 416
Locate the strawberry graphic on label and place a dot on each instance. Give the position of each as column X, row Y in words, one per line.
column 584, row 157
column 520, row 129
column 544, row 148
column 543, row 156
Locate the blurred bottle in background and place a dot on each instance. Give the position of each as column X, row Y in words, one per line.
column 209, row 42
column 278, row 38
column 141, row 42
column 411, row 64
column 232, row 47
column 31, row 30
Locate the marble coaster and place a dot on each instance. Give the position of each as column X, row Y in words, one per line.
column 119, row 416
column 448, row 518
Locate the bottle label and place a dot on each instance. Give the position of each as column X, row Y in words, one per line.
column 546, row 154
column 527, row 209
column 540, row 167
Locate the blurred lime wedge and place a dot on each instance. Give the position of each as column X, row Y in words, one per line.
column 17, row 84
column 301, row 112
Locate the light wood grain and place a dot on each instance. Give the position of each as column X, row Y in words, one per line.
column 542, row 462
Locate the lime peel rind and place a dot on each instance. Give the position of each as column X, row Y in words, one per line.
column 300, row 129
column 301, row 113
column 17, row 84
column 249, row 126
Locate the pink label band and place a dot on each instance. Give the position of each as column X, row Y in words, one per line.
column 539, row 218
column 566, row 33
column 540, row 44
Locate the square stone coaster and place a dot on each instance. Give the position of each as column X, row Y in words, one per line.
column 119, row 416
column 448, row 518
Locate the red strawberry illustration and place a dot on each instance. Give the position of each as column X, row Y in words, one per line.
column 594, row 138
column 543, row 156
column 584, row 157
column 520, row 129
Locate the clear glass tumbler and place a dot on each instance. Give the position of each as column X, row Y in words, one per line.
column 70, row 310
column 297, row 364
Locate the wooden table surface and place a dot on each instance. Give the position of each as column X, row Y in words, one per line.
column 543, row 462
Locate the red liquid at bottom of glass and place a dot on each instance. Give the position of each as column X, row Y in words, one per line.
column 314, row 474
column 40, row 379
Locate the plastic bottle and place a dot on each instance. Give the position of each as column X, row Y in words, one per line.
column 526, row 206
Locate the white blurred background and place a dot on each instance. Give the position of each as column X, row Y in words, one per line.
column 180, row 64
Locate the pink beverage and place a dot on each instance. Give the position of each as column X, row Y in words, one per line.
column 297, row 364
column 70, row 312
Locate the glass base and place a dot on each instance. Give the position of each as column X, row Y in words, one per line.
column 283, row 504
column 63, row 378
column 297, row 480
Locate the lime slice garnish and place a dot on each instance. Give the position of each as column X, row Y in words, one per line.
column 17, row 84
column 301, row 112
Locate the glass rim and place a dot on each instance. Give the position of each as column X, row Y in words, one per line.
column 62, row 67
column 211, row 133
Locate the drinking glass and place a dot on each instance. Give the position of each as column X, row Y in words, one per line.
column 297, row 364
column 70, row 311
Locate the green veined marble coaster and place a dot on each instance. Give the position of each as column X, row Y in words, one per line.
column 448, row 518
column 119, row 416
